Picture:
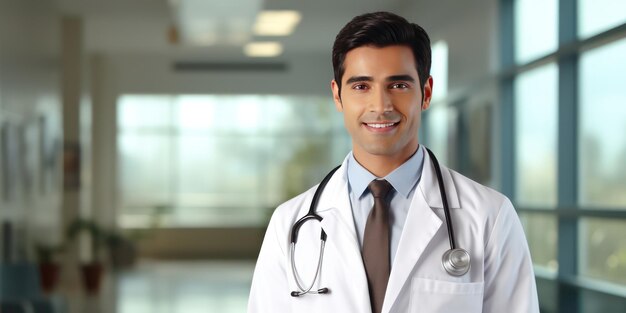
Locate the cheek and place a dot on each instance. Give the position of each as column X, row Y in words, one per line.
column 351, row 112
column 350, row 118
column 414, row 118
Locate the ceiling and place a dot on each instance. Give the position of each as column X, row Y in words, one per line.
column 138, row 29
column 142, row 26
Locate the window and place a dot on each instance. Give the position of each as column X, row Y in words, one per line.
column 439, row 70
column 603, row 249
column 535, row 29
column 536, row 103
column 536, row 106
column 601, row 168
column 220, row 160
column 596, row 16
column 439, row 117
column 541, row 233
column 602, row 147
column 439, row 130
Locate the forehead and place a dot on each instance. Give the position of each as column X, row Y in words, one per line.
column 379, row 62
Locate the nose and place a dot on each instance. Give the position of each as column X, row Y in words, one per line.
column 380, row 101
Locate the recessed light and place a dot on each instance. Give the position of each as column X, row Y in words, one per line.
column 263, row 49
column 276, row 23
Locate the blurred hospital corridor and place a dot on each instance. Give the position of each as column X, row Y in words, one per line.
column 145, row 144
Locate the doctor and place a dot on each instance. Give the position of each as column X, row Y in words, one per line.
column 382, row 210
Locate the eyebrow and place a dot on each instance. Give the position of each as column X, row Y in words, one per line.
column 355, row 79
column 408, row 78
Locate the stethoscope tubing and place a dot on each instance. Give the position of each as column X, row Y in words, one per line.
column 312, row 214
column 444, row 200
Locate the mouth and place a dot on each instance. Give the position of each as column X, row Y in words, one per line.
column 381, row 126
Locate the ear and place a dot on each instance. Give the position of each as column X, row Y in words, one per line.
column 336, row 96
column 428, row 93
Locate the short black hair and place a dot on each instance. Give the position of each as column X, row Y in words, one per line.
column 382, row 29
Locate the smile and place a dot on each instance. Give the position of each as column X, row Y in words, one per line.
column 380, row 125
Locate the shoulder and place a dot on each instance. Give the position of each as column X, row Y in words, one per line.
column 484, row 204
column 471, row 192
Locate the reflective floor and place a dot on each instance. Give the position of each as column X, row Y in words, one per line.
column 185, row 287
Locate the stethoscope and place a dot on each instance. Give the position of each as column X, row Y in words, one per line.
column 455, row 261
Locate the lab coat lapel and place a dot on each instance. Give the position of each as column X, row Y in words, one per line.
column 420, row 227
column 338, row 223
column 335, row 210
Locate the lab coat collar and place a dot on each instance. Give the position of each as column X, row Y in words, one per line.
column 430, row 188
column 403, row 179
column 337, row 186
column 428, row 185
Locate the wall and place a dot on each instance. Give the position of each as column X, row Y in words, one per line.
column 30, row 107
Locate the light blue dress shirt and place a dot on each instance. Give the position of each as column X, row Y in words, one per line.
column 404, row 180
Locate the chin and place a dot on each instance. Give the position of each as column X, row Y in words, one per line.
column 380, row 150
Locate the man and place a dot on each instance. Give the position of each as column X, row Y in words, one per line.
column 382, row 210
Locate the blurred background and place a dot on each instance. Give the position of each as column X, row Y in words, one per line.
column 145, row 143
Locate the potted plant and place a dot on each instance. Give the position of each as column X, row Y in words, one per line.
column 93, row 270
column 49, row 267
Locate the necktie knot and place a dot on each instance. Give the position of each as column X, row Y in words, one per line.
column 379, row 188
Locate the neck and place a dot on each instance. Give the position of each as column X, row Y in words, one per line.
column 382, row 165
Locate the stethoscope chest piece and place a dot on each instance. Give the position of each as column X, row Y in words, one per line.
column 456, row 262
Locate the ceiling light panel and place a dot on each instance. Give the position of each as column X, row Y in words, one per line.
column 263, row 49
column 276, row 23
column 203, row 23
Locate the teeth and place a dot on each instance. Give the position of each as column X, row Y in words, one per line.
column 380, row 125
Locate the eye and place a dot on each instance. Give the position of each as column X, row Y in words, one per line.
column 359, row 87
column 399, row 86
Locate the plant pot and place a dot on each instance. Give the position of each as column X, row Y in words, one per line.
column 48, row 276
column 92, row 277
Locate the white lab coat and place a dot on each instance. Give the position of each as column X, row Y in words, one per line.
column 500, row 280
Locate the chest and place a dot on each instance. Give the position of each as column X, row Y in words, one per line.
column 417, row 284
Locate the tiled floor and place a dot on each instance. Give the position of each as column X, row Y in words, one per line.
column 185, row 287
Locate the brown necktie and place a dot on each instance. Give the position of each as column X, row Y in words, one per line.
column 376, row 244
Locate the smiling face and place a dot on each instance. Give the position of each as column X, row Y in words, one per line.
column 382, row 101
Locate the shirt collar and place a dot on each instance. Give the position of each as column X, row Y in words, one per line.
column 403, row 179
